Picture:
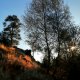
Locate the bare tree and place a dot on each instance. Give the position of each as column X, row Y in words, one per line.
column 44, row 22
column 60, row 20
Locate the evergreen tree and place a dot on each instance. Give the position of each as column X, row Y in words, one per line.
column 12, row 29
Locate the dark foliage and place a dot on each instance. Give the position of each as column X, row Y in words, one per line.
column 12, row 29
column 62, row 69
column 4, row 40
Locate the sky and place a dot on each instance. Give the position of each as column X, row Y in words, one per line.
column 17, row 7
column 10, row 7
column 13, row 7
column 74, row 6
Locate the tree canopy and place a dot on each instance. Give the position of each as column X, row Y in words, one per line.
column 12, row 29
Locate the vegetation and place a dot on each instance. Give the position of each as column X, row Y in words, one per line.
column 12, row 29
column 16, row 65
column 49, row 27
column 50, row 30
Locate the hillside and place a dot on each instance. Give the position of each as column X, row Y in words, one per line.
column 16, row 64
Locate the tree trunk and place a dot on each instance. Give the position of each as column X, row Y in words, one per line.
column 45, row 32
column 12, row 37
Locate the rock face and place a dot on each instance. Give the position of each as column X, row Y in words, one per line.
column 20, row 57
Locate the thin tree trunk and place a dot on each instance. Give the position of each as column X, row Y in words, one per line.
column 58, row 33
column 45, row 32
column 48, row 50
column 12, row 37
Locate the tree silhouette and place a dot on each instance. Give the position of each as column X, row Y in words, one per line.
column 45, row 21
column 12, row 29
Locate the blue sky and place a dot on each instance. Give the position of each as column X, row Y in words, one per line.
column 17, row 7
column 74, row 6
column 10, row 7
